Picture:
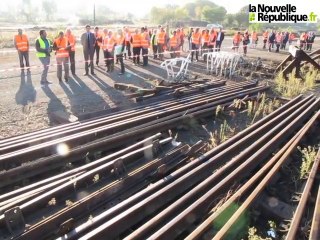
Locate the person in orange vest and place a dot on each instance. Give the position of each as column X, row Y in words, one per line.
column 136, row 46
column 62, row 46
column 174, row 43
column 236, row 42
column 104, row 46
column 21, row 43
column 145, row 42
column 72, row 40
column 161, row 40
column 265, row 39
column 254, row 39
column 180, row 35
column 303, row 40
column 245, row 42
column 292, row 36
column 109, row 43
column 127, row 40
column 278, row 39
column 205, row 43
column 212, row 40
column 97, row 44
column 195, row 44
column 119, row 48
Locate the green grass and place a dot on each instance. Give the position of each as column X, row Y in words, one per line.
column 294, row 86
column 309, row 155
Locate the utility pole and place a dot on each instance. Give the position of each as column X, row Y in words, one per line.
column 94, row 14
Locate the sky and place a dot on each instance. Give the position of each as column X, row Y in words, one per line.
column 138, row 7
column 142, row 7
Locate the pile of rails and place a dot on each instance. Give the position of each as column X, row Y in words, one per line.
column 167, row 196
column 182, row 204
column 108, row 163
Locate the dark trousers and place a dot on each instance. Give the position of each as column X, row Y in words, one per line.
column 109, row 60
column 160, row 50
column 309, row 46
column 173, row 53
column 120, row 59
column 278, row 46
column 128, row 46
column 145, row 56
column 25, row 56
column 155, row 50
column 204, row 50
column 264, row 43
column 105, row 56
column 136, row 55
column 195, row 50
column 72, row 62
column 88, row 57
column 97, row 51
column 218, row 46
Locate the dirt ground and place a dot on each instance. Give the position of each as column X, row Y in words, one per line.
column 25, row 106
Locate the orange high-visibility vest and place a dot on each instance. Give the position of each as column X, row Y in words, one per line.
column 22, row 42
column 136, row 40
column 206, row 37
column 237, row 38
column 196, row 37
column 72, row 40
column 62, row 44
column 144, row 40
column 174, row 41
column 105, row 43
column 161, row 37
column 278, row 38
column 254, row 36
column 110, row 42
column 265, row 35
column 212, row 38
column 292, row 36
column 303, row 37
column 120, row 40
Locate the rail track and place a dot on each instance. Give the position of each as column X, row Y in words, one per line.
column 132, row 182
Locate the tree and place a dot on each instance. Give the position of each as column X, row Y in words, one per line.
column 213, row 14
column 50, row 7
column 242, row 17
column 28, row 11
column 229, row 20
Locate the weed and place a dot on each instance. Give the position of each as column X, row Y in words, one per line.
column 218, row 137
column 252, row 232
column 96, row 178
column 294, row 86
column 219, row 110
column 52, row 202
column 69, row 203
column 308, row 156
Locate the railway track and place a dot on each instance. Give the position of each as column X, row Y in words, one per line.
column 144, row 185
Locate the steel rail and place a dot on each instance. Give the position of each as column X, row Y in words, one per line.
column 298, row 214
column 115, row 226
column 114, row 140
column 11, row 146
column 276, row 161
column 289, row 106
column 117, row 115
column 315, row 227
column 85, row 167
column 101, row 196
column 277, row 134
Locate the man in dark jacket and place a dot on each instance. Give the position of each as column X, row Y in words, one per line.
column 220, row 38
column 271, row 38
column 88, row 41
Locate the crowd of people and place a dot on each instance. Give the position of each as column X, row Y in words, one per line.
column 272, row 40
column 132, row 44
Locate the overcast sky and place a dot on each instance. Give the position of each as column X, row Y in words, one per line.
column 141, row 7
